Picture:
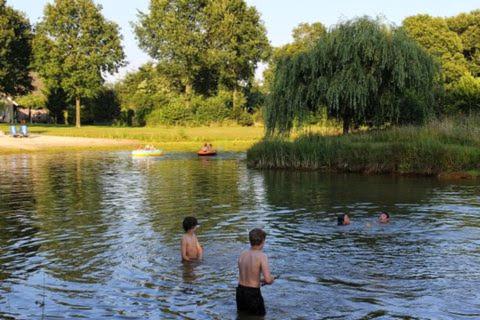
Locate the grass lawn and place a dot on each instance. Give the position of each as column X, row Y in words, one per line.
column 228, row 138
column 233, row 138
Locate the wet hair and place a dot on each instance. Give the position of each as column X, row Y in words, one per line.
column 385, row 213
column 340, row 219
column 256, row 236
column 189, row 223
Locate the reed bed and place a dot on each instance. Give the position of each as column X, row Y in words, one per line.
column 441, row 146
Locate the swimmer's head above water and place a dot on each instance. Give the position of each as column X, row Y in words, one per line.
column 384, row 217
column 343, row 219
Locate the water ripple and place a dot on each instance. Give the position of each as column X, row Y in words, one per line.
column 96, row 235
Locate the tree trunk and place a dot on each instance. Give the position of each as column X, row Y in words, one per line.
column 188, row 89
column 188, row 93
column 30, row 115
column 77, row 112
column 234, row 98
column 346, row 125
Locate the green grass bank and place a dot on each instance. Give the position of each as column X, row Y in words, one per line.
column 448, row 147
column 232, row 138
column 188, row 139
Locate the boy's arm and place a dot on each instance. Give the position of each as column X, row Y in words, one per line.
column 267, row 277
column 200, row 250
column 184, row 250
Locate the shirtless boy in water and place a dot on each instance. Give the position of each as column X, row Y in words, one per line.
column 251, row 264
column 191, row 249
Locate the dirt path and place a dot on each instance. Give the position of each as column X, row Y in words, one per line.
column 40, row 142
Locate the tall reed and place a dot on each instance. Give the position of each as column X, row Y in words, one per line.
column 446, row 145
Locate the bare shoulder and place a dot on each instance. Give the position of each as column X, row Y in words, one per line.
column 258, row 256
column 262, row 256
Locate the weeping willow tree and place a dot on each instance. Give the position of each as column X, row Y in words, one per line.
column 363, row 72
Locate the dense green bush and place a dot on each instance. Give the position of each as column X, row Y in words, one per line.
column 198, row 111
column 103, row 109
column 415, row 108
column 464, row 95
column 246, row 120
column 258, row 116
column 215, row 109
column 177, row 111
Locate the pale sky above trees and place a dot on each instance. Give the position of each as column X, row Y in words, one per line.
column 280, row 16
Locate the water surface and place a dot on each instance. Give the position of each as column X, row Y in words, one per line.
column 96, row 235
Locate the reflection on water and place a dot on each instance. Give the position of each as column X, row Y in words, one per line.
column 96, row 235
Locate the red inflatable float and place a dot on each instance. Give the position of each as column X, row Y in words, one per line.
column 207, row 153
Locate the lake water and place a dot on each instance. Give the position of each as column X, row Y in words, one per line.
column 96, row 235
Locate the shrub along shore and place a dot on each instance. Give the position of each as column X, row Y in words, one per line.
column 448, row 147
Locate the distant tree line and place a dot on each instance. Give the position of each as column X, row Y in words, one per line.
column 204, row 56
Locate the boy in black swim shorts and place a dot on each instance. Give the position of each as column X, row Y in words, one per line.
column 251, row 265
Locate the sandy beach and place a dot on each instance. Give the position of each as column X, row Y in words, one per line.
column 42, row 142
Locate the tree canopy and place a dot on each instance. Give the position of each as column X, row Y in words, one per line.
column 74, row 47
column 467, row 26
column 362, row 72
column 434, row 34
column 172, row 34
column 15, row 51
column 236, row 40
column 305, row 36
column 206, row 44
column 455, row 44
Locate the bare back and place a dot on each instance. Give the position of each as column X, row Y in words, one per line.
column 191, row 249
column 251, row 264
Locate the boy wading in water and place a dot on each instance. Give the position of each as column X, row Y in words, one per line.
column 251, row 264
column 191, row 249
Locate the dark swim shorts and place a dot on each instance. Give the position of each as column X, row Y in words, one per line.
column 250, row 300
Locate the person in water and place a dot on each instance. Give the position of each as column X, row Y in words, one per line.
column 252, row 264
column 149, row 147
column 384, row 217
column 205, row 147
column 191, row 249
column 343, row 219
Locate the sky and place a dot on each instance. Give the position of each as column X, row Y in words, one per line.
column 279, row 16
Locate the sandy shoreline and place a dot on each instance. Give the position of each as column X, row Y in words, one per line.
column 37, row 142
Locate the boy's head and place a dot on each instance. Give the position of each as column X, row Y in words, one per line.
column 343, row 219
column 384, row 217
column 256, row 237
column 189, row 223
